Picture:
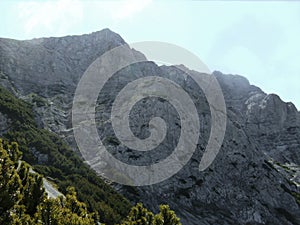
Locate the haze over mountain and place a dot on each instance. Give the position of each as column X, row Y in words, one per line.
column 247, row 38
column 254, row 179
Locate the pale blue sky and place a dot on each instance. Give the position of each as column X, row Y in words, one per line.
column 259, row 40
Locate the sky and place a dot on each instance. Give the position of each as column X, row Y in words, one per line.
column 257, row 39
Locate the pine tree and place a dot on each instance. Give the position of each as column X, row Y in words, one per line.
column 24, row 200
column 141, row 216
column 10, row 186
column 166, row 216
column 33, row 192
column 64, row 211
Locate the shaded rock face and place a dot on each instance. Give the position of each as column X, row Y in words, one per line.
column 274, row 124
column 253, row 180
column 50, row 66
column 51, row 69
column 5, row 123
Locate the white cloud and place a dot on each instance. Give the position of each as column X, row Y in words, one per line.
column 54, row 17
column 129, row 8
column 61, row 17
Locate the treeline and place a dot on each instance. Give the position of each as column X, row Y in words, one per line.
column 97, row 200
column 24, row 200
column 63, row 165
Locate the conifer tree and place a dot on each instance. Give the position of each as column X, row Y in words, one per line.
column 141, row 216
column 24, row 200
column 10, row 186
column 166, row 216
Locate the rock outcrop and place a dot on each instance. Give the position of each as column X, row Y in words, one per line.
column 254, row 178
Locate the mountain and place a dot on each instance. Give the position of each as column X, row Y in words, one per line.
column 254, row 179
column 51, row 157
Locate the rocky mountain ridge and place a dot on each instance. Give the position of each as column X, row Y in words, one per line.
column 255, row 178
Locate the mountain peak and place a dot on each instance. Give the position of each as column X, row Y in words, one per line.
column 44, row 65
column 261, row 141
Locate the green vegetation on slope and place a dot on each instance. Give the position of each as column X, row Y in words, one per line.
column 141, row 216
column 63, row 165
column 24, row 200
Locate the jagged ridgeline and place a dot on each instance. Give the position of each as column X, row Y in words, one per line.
column 61, row 164
column 255, row 178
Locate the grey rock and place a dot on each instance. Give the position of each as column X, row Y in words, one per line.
column 51, row 191
column 41, row 158
column 253, row 178
column 5, row 123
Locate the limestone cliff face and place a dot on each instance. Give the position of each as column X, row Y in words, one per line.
column 50, row 66
column 255, row 177
column 273, row 123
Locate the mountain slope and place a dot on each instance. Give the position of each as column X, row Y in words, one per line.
column 24, row 200
column 50, row 156
column 255, row 177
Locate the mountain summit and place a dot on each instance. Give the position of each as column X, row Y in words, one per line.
column 254, row 179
